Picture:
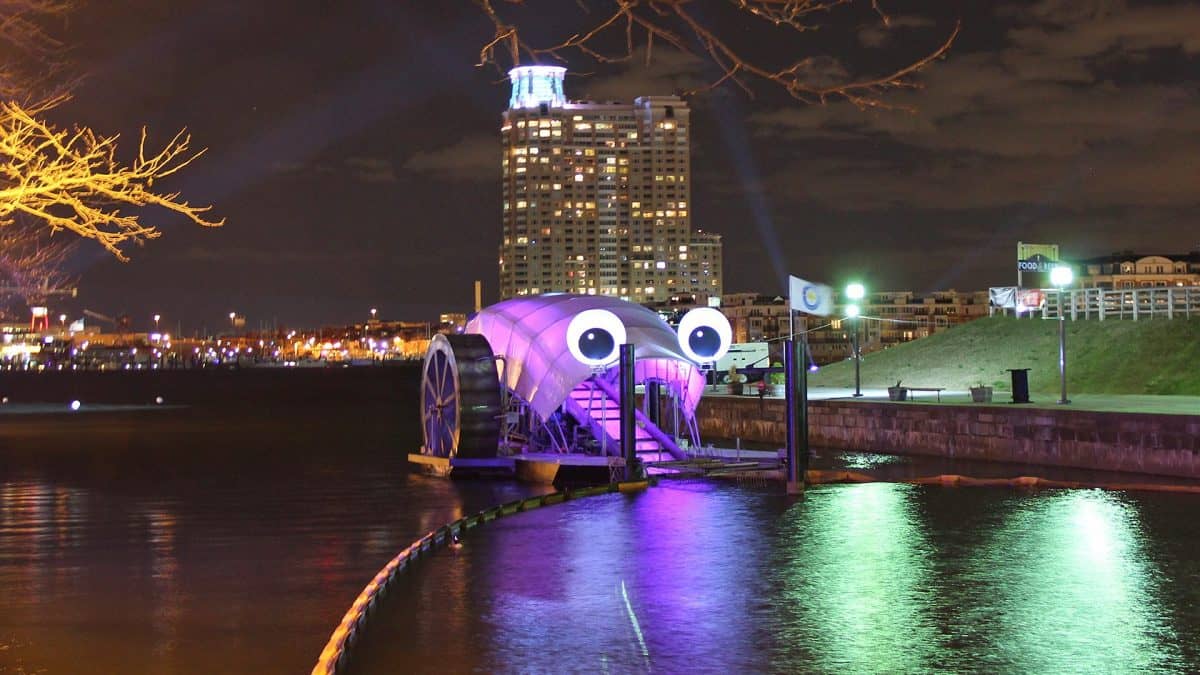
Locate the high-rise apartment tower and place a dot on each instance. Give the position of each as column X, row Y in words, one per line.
column 597, row 196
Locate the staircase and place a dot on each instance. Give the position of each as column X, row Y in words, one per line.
column 596, row 407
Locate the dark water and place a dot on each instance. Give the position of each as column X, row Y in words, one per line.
column 229, row 537
column 858, row 578
column 232, row 535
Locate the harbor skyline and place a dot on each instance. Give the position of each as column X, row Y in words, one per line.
column 334, row 135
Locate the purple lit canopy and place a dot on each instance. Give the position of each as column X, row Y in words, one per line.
column 531, row 334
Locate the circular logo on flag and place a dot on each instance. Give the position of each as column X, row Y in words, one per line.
column 810, row 297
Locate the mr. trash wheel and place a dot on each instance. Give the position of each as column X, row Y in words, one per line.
column 460, row 398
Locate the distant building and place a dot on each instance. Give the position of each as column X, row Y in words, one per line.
column 755, row 317
column 1140, row 270
column 597, row 196
column 452, row 321
column 892, row 317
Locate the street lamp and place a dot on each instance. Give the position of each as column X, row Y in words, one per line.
column 1061, row 276
column 373, row 311
column 232, row 321
column 62, row 319
column 156, row 318
column 855, row 292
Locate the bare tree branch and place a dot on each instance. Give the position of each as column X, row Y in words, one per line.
column 32, row 263
column 673, row 21
column 71, row 179
column 33, row 66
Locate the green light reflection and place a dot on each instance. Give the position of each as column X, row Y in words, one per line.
column 855, row 575
column 1072, row 588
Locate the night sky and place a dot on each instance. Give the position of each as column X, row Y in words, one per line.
column 354, row 149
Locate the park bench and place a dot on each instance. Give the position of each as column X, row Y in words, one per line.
column 936, row 390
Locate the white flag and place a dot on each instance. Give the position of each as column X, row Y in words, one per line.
column 805, row 296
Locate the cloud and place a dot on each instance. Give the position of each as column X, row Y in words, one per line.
column 1080, row 35
column 472, row 158
column 362, row 169
column 372, row 169
column 275, row 256
column 669, row 71
column 1057, row 117
column 880, row 35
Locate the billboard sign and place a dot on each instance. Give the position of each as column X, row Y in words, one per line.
column 1036, row 263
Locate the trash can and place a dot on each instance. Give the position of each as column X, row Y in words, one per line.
column 1020, row 385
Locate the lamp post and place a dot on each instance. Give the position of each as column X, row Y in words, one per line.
column 232, row 322
column 62, row 319
column 156, row 318
column 373, row 311
column 855, row 292
column 1061, row 276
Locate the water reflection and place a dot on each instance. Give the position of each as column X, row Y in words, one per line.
column 186, row 548
column 1065, row 581
column 878, row 578
column 243, row 565
column 854, row 572
column 164, row 570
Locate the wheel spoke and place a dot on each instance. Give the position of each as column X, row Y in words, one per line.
column 436, row 376
column 449, row 436
column 431, row 436
column 427, row 386
column 445, row 373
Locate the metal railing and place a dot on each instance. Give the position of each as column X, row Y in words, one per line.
column 1172, row 302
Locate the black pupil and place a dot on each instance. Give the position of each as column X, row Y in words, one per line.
column 704, row 342
column 596, row 344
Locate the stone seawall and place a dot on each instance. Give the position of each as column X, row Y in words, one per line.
column 1166, row 445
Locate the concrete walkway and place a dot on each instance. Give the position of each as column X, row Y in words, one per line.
column 1131, row 403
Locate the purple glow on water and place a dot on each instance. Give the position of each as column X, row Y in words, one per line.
column 696, row 577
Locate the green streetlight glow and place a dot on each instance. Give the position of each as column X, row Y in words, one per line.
column 855, row 291
column 1061, row 276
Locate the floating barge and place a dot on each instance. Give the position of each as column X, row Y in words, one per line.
column 542, row 468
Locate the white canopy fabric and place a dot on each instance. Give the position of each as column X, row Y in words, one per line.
column 531, row 334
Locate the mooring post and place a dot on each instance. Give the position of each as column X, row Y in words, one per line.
column 653, row 407
column 796, row 399
column 628, row 441
column 653, row 389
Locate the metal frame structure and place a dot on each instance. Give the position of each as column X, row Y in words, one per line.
column 528, row 335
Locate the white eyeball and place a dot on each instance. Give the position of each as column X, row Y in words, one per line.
column 704, row 335
column 595, row 336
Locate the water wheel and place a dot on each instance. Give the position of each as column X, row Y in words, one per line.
column 460, row 398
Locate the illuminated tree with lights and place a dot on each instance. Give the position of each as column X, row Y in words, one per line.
column 71, row 178
column 620, row 28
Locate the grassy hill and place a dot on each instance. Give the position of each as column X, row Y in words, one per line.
column 1103, row 357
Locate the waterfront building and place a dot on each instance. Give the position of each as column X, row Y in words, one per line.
column 890, row 317
column 452, row 321
column 1140, row 270
column 597, row 196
